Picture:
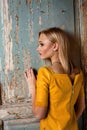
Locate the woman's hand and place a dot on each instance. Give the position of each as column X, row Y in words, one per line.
column 30, row 78
column 39, row 112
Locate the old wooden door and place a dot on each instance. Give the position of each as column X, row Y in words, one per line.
column 20, row 22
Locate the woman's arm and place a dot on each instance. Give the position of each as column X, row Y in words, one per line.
column 80, row 106
column 39, row 112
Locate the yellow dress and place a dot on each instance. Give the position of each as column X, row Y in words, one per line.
column 57, row 92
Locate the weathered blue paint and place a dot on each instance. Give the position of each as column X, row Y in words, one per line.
column 26, row 18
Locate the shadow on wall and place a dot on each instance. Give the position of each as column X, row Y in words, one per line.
column 75, row 50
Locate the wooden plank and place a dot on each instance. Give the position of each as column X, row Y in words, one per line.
column 20, row 124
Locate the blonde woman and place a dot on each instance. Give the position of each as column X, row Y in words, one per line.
column 58, row 91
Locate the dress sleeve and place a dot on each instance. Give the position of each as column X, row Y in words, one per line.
column 42, row 87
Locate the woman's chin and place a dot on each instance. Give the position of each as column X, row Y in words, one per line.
column 42, row 57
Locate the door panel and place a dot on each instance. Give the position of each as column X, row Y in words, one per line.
column 21, row 20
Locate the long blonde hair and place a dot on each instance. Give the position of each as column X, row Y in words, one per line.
column 58, row 35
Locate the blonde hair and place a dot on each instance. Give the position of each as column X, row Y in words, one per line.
column 58, row 35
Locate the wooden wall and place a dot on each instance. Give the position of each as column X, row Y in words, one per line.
column 83, row 35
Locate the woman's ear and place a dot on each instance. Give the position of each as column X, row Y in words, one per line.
column 55, row 46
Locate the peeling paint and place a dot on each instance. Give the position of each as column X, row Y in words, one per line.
column 40, row 20
column 19, row 1
column 31, row 31
column 28, row 2
column 7, row 39
column 1, row 6
column 0, row 65
column 20, row 40
column 39, row 1
column 16, row 33
column 22, row 20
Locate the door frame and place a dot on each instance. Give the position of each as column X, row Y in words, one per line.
column 80, row 30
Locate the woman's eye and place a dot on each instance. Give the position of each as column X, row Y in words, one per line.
column 41, row 44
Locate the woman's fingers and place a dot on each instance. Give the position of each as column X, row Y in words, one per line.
column 30, row 78
column 29, row 73
column 25, row 74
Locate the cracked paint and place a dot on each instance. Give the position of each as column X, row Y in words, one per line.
column 40, row 20
column 20, row 39
column 7, row 38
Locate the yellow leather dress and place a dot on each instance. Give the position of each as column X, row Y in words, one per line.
column 56, row 92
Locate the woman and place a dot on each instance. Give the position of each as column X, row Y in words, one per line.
column 58, row 92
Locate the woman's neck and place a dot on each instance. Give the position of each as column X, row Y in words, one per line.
column 57, row 67
column 56, row 62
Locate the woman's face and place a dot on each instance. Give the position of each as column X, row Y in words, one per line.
column 45, row 47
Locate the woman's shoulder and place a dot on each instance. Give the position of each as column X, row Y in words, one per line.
column 44, row 69
column 44, row 72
